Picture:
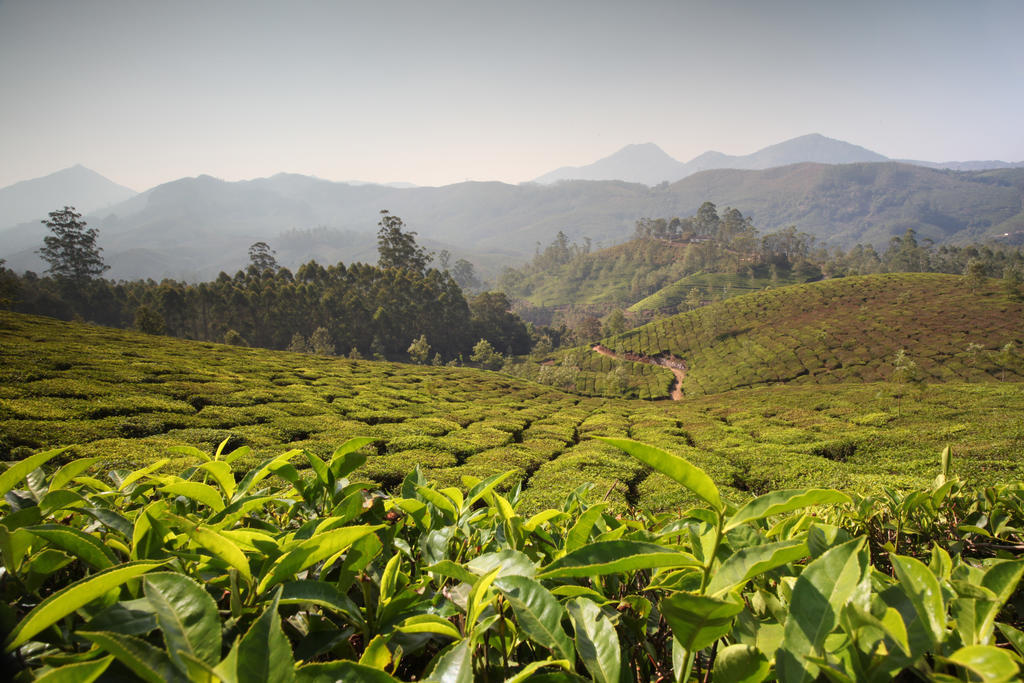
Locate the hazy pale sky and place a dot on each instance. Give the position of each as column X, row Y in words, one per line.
column 435, row 92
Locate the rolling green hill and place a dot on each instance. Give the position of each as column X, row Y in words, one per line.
column 128, row 397
column 840, row 330
column 724, row 285
column 617, row 275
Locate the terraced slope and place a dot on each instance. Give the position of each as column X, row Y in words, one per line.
column 128, row 397
column 617, row 275
column 843, row 330
column 724, row 285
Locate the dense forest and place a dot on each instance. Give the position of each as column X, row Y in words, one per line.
column 570, row 282
column 362, row 310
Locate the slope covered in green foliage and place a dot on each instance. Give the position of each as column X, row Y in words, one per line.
column 840, row 330
column 207, row 574
column 616, row 275
column 127, row 397
column 708, row 286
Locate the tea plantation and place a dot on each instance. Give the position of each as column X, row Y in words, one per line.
column 834, row 331
column 232, row 514
column 127, row 397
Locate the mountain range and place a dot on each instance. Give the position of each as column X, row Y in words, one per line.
column 77, row 186
column 194, row 228
column 650, row 165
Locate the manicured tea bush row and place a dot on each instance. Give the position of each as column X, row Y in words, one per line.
column 133, row 396
column 843, row 330
column 282, row 575
column 723, row 285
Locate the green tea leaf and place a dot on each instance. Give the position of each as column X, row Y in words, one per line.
column 258, row 474
column 740, row 664
column 187, row 616
column 141, row 473
column 216, row 543
column 313, row 550
column 479, row 598
column 751, row 561
column 454, row 664
column 1013, row 636
column 147, row 662
column 672, row 466
column 222, row 474
column 10, row 477
column 190, row 451
column 376, row 655
column 237, row 509
column 925, row 593
column 1002, row 579
column 83, row 672
column 324, row 595
column 538, row 613
column 453, row 570
column 68, row 599
column 542, row 517
column 85, row 546
column 579, row 534
column 318, row 466
column 596, row 640
column 60, row 499
column 612, row 557
column 429, row 623
column 341, row 671
column 240, row 452
column 389, row 578
column 820, row 592
column 779, row 502
column 345, row 460
column 438, row 500
column 485, row 487
column 130, row 617
column 697, row 621
column 264, row 653
column 527, row 672
column 512, row 563
column 991, row 664
column 64, row 475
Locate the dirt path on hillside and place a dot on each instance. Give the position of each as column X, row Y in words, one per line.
column 676, row 365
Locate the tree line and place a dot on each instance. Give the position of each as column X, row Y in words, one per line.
column 361, row 310
column 728, row 242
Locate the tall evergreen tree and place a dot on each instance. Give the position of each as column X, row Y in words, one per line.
column 397, row 248
column 71, row 250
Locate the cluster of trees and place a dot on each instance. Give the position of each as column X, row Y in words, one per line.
column 362, row 310
column 666, row 249
column 730, row 242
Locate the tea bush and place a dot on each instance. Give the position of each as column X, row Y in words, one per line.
column 279, row 574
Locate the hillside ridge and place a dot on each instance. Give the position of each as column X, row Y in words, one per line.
column 834, row 331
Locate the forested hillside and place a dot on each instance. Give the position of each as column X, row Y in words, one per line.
column 362, row 310
column 853, row 329
column 195, row 227
column 679, row 264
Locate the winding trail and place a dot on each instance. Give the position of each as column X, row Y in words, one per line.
column 676, row 365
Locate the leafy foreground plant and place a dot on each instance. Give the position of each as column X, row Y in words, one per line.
column 207, row 577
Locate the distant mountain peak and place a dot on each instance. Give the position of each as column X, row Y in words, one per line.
column 77, row 186
column 648, row 164
column 637, row 163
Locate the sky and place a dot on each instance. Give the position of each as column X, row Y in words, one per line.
column 435, row 92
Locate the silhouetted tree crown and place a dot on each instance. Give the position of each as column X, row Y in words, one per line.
column 262, row 258
column 71, row 249
column 397, row 248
